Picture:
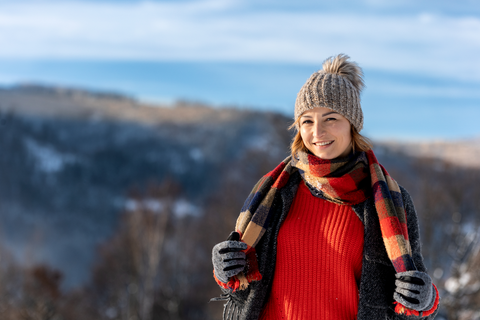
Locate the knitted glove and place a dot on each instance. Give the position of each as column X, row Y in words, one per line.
column 414, row 290
column 227, row 259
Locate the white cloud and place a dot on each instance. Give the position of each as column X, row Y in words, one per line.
column 435, row 45
column 425, row 90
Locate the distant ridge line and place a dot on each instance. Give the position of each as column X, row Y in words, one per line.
column 44, row 101
column 38, row 88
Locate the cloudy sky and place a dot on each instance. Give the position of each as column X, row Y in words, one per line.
column 420, row 58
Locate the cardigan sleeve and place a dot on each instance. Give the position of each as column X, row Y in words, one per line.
column 415, row 243
column 413, row 230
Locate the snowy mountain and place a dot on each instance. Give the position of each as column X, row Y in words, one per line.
column 70, row 157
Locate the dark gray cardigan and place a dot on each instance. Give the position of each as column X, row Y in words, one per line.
column 377, row 281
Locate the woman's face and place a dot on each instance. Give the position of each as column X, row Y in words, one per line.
column 326, row 133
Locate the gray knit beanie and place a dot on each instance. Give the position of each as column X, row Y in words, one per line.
column 337, row 86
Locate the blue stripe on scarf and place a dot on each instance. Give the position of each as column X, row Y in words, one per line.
column 381, row 191
column 261, row 216
column 404, row 262
column 397, row 199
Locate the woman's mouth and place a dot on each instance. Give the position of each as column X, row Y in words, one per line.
column 323, row 143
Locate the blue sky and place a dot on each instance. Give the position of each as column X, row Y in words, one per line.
column 420, row 58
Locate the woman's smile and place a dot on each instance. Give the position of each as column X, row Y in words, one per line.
column 326, row 133
column 323, row 144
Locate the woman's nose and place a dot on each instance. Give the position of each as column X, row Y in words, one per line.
column 318, row 130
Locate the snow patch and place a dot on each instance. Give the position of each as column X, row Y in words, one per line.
column 153, row 205
column 48, row 159
column 183, row 208
column 196, row 154
column 261, row 143
column 452, row 285
column 180, row 208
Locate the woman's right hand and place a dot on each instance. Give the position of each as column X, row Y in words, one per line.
column 228, row 260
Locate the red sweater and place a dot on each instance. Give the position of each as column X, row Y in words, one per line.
column 318, row 263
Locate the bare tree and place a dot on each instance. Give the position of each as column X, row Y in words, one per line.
column 462, row 294
column 40, row 294
column 10, row 284
column 126, row 277
column 146, row 232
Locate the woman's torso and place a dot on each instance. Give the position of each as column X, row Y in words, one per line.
column 318, row 261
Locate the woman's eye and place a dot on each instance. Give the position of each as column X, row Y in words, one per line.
column 307, row 121
column 330, row 119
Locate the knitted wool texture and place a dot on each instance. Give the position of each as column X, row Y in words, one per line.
column 337, row 87
column 323, row 243
column 254, row 218
column 377, row 279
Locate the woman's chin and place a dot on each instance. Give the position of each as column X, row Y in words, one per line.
column 326, row 155
column 331, row 154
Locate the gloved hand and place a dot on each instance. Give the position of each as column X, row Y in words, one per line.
column 414, row 290
column 227, row 258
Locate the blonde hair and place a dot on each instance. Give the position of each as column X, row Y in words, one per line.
column 359, row 142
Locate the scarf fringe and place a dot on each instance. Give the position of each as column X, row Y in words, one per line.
column 243, row 281
column 401, row 309
column 231, row 310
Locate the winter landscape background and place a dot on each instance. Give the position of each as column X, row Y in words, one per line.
column 132, row 130
column 110, row 207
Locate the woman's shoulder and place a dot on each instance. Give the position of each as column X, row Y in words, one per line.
column 404, row 191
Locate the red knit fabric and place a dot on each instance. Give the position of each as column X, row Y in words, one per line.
column 319, row 262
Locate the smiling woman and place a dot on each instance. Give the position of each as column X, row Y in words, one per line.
column 328, row 234
column 328, row 123
column 326, row 133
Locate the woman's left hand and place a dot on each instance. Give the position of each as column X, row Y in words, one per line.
column 414, row 290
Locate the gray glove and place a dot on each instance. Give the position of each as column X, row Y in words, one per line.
column 414, row 290
column 228, row 260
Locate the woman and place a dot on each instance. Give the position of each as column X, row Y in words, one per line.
column 328, row 234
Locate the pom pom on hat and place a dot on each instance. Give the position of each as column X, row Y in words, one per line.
column 348, row 69
column 337, row 87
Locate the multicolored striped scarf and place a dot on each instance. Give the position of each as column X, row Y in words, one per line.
column 345, row 181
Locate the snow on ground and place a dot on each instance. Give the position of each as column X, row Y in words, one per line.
column 196, row 154
column 454, row 284
column 47, row 158
column 181, row 207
